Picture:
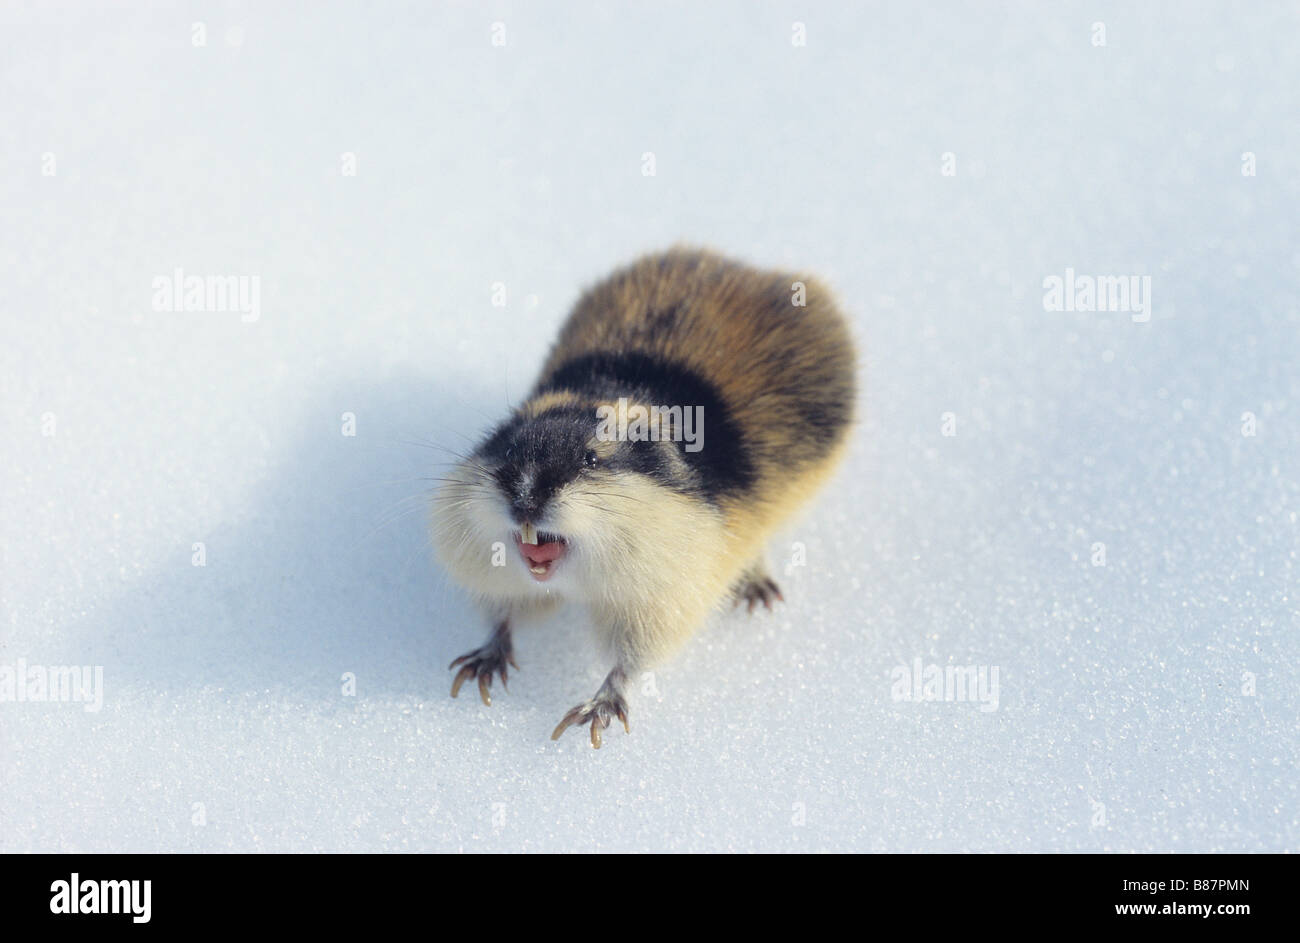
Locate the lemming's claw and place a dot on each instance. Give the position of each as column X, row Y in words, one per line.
column 566, row 722
column 483, row 663
column 465, row 674
column 598, row 712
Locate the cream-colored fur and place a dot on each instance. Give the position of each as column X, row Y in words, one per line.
column 648, row 562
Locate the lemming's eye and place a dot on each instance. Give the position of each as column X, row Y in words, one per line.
column 592, row 459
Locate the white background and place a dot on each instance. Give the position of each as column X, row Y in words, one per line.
column 1122, row 722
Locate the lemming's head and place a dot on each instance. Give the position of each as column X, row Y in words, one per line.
column 557, row 496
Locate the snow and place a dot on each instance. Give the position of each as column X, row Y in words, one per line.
column 1149, row 704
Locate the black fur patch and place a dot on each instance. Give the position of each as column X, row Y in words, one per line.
column 722, row 466
column 532, row 458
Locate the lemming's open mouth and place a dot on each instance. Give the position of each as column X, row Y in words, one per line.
column 541, row 551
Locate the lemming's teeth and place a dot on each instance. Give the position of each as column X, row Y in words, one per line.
column 539, row 570
column 528, row 534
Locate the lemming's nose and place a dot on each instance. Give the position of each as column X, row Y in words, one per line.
column 524, row 508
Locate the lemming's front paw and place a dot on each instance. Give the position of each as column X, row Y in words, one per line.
column 598, row 712
column 483, row 663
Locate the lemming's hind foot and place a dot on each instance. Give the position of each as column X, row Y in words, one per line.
column 484, row 662
column 755, row 586
column 600, row 711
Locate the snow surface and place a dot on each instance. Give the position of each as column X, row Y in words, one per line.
column 1124, row 720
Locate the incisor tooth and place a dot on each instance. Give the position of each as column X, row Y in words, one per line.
column 528, row 534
